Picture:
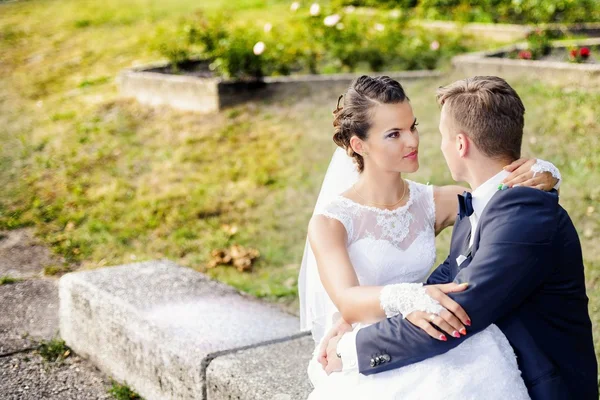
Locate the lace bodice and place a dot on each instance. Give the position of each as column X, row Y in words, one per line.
column 389, row 246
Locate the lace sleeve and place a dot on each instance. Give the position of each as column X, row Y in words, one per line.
column 546, row 166
column 404, row 298
column 338, row 212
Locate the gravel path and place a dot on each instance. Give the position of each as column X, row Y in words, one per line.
column 28, row 315
column 28, row 376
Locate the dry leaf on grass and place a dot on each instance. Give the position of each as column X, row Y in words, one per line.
column 237, row 256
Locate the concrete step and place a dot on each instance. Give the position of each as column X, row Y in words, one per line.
column 157, row 326
column 272, row 372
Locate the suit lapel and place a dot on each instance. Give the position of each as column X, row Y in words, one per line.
column 477, row 232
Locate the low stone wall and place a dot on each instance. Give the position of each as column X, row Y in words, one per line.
column 560, row 73
column 158, row 327
column 508, row 32
column 207, row 95
column 499, row 32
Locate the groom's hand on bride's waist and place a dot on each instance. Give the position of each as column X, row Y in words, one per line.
column 452, row 320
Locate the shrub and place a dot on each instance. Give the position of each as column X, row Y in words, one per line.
column 403, row 4
column 175, row 46
column 504, row 11
column 246, row 50
column 235, row 57
column 579, row 54
column 539, row 43
column 326, row 42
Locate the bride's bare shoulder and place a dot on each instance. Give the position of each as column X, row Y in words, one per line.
column 324, row 229
column 446, row 203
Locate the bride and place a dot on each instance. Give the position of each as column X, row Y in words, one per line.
column 370, row 228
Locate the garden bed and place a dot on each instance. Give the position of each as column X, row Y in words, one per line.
column 509, row 32
column 553, row 68
column 195, row 88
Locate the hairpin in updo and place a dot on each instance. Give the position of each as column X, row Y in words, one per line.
column 338, row 102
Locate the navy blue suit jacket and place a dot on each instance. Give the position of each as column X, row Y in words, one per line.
column 525, row 275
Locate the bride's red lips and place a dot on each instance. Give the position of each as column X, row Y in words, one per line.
column 411, row 155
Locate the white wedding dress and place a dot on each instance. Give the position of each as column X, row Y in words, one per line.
column 398, row 246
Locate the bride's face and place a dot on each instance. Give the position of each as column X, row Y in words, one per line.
column 392, row 143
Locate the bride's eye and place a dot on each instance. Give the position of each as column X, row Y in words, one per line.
column 394, row 135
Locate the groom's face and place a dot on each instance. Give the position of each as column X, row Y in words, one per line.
column 450, row 146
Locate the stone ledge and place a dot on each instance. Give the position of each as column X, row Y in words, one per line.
column 563, row 73
column 208, row 95
column 502, row 32
column 157, row 326
column 272, row 372
column 508, row 32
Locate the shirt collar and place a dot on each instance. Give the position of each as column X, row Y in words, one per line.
column 484, row 193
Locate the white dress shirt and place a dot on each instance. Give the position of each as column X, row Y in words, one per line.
column 482, row 196
column 346, row 347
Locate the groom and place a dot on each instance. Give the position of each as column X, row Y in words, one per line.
column 516, row 248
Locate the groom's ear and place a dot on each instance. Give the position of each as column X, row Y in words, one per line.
column 462, row 144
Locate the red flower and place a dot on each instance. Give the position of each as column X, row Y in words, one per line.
column 574, row 53
column 525, row 55
column 584, row 52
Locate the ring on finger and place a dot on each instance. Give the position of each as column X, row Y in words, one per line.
column 432, row 317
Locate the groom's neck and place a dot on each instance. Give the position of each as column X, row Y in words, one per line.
column 482, row 170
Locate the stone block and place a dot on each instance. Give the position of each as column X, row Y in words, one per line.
column 272, row 372
column 157, row 326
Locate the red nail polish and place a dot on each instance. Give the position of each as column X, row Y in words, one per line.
column 443, row 338
column 456, row 334
column 468, row 322
column 463, row 331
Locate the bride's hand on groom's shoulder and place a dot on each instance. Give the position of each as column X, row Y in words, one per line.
column 523, row 175
column 452, row 319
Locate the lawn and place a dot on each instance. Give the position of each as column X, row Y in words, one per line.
column 106, row 181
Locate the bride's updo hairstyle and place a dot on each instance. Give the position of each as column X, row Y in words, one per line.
column 353, row 118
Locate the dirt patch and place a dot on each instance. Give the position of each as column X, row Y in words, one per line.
column 24, row 256
column 28, row 313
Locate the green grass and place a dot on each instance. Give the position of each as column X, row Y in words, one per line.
column 54, row 350
column 53, row 270
column 7, row 280
column 106, row 181
column 123, row 392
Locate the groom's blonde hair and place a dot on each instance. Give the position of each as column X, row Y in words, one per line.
column 489, row 111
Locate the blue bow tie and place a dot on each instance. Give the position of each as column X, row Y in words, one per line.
column 465, row 205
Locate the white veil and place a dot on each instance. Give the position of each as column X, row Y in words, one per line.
column 315, row 304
